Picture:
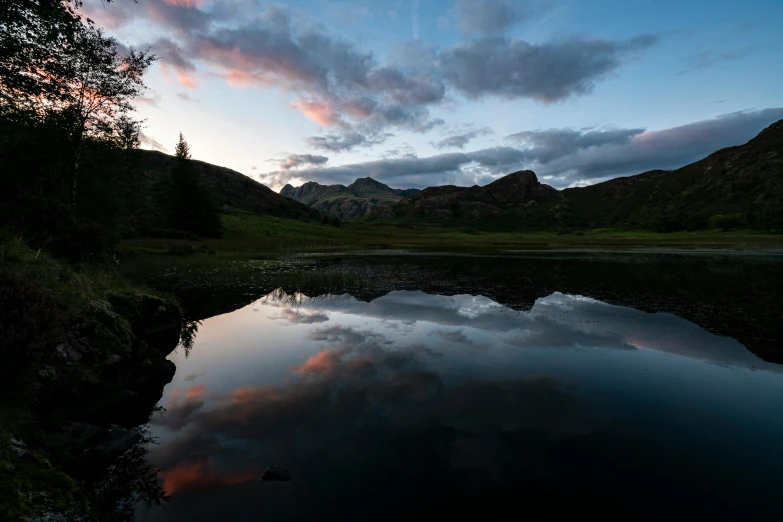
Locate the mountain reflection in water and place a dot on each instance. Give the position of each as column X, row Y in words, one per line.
column 415, row 404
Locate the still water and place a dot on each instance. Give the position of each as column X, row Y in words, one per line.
column 412, row 404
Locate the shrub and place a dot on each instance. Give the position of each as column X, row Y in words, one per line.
column 727, row 221
column 665, row 224
column 30, row 322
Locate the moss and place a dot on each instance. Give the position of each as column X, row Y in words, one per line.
column 29, row 485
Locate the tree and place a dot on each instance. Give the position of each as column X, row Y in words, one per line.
column 35, row 35
column 181, row 149
column 102, row 86
column 192, row 209
column 727, row 221
column 61, row 74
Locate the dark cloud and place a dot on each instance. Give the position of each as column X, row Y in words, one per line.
column 172, row 59
column 663, row 149
column 416, row 172
column 297, row 317
column 193, row 376
column 546, row 145
column 453, row 336
column 547, row 72
column 186, row 97
column 346, row 141
column 492, row 17
column 182, row 16
column 562, row 157
column 293, row 161
column 459, row 141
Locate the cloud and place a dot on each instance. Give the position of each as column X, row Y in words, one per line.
column 293, row 161
column 561, row 157
column 297, row 317
column 662, row 149
column 709, row 58
column 547, row 145
column 171, row 57
column 453, row 336
column 415, row 172
column 193, row 376
column 199, row 475
column 153, row 100
column 186, row 97
column 459, row 141
column 152, row 143
column 346, row 142
column 492, row 17
column 547, row 72
column 182, row 405
column 359, row 98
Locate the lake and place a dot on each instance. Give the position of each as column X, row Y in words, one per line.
column 640, row 386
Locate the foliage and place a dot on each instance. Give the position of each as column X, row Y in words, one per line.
column 665, row 224
column 191, row 206
column 181, row 149
column 129, row 483
column 727, row 221
column 30, row 321
column 66, row 96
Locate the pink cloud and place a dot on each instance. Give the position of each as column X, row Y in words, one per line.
column 200, row 475
column 320, row 113
column 322, row 362
column 186, row 3
column 185, row 77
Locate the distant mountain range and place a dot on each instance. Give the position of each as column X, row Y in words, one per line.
column 746, row 179
column 358, row 199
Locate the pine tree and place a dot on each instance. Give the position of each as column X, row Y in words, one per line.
column 181, row 149
column 192, row 209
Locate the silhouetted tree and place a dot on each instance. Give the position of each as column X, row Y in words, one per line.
column 192, row 209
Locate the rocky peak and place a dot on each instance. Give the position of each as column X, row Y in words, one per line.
column 518, row 188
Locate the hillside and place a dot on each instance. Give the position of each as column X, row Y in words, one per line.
column 746, row 179
column 345, row 203
column 229, row 189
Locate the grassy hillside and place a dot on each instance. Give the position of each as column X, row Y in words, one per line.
column 229, row 189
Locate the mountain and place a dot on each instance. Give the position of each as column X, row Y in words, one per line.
column 229, row 189
column 513, row 194
column 745, row 179
column 354, row 201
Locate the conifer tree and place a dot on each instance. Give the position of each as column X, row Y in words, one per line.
column 192, row 209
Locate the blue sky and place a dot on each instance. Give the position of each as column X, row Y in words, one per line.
column 428, row 92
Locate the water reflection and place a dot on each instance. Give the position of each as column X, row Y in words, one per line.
column 415, row 402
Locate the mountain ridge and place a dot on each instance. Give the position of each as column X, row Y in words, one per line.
column 356, row 200
column 744, row 179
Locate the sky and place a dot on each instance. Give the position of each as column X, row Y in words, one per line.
column 417, row 93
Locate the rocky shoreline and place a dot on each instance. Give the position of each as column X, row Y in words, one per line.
column 84, row 404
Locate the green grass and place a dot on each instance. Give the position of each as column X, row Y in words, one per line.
column 250, row 236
